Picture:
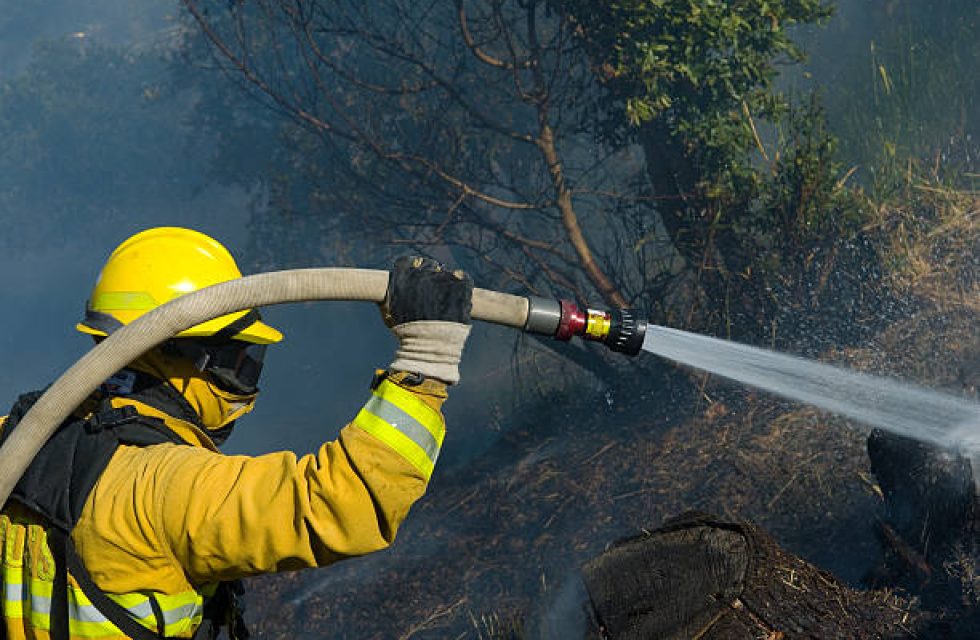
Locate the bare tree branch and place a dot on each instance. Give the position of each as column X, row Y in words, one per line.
column 569, row 220
column 459, row 153
column 241, row 65
column 482, row 55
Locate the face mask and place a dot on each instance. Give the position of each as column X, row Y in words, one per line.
column 227, row 387
column 227, row 407
column 215, row 406
column 232, row 365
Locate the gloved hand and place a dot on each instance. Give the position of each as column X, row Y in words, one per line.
column 428, row 310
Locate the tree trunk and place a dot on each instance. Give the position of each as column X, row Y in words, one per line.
column 569, row 219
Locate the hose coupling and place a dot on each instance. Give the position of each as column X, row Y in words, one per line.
column 621, row 330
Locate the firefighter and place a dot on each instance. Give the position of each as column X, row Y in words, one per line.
column 131, row 523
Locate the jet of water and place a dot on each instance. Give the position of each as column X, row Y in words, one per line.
column 904, row 409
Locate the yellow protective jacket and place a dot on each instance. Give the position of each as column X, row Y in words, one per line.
column 164, row 523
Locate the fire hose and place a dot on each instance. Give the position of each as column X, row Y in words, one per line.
column 620, row 330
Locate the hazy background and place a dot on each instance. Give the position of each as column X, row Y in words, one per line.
column 85, row 189
column 106, row 133
column 100, row 144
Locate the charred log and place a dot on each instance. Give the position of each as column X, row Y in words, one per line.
column 929, row 492
column 702, row 577
column 929, row 529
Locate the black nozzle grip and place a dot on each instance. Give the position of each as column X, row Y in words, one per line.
column 626, row 332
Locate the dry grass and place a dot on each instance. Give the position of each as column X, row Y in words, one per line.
column 931, row 244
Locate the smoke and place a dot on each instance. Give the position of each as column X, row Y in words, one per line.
column 73, row 187
column 119, row 22
column 564, row 613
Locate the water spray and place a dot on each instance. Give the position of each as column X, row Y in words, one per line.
column 943, row 420
column 950, row 422
column 904, row 409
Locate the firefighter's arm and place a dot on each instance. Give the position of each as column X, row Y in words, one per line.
column 235, row 516
column 222, row 517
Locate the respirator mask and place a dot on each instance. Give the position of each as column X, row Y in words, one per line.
column 231, row 371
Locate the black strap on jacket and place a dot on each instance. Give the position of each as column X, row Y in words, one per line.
column 70, row 562
column 61, row 476
column 58, row 481
column 57, row 543
column 224, row 609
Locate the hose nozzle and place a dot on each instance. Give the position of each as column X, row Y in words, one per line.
column 621, row 330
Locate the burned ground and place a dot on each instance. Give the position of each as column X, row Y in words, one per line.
column 499, row 539
column 494, row 549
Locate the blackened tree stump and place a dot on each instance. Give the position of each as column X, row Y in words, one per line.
column 699, row 577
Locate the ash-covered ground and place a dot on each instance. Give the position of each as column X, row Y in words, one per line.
column 494, row 549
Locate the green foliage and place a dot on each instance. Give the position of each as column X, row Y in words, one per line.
column 699, row 64
column 745, row 184
column 749, row 186
column 804, row 197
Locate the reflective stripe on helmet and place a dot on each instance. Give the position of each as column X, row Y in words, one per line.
column 123, row 301
column 406, row 424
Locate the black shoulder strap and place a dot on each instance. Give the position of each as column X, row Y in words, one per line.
column 18, row 411
column 59, row 479
column 59, row 590
column 129, row 426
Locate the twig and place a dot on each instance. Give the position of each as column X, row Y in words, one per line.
column 630, row 494
column 598, row 453
column 780, row 493
column 482, row 55
column 755, row 133
column 440, row 612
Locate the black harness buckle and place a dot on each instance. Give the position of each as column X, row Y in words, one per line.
column 111, row 418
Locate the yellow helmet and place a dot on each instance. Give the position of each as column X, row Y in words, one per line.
column 154, row 267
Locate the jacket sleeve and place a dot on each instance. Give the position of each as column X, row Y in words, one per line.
column 223, row 517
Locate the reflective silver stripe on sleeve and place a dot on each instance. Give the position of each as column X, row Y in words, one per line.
column 186, row 611
column 13, row 591
column 81, row 612
column 21, row 595
column 405, row 423
column 89, row 613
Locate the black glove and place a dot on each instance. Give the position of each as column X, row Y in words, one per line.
column 423, row 289
column 428, row 310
